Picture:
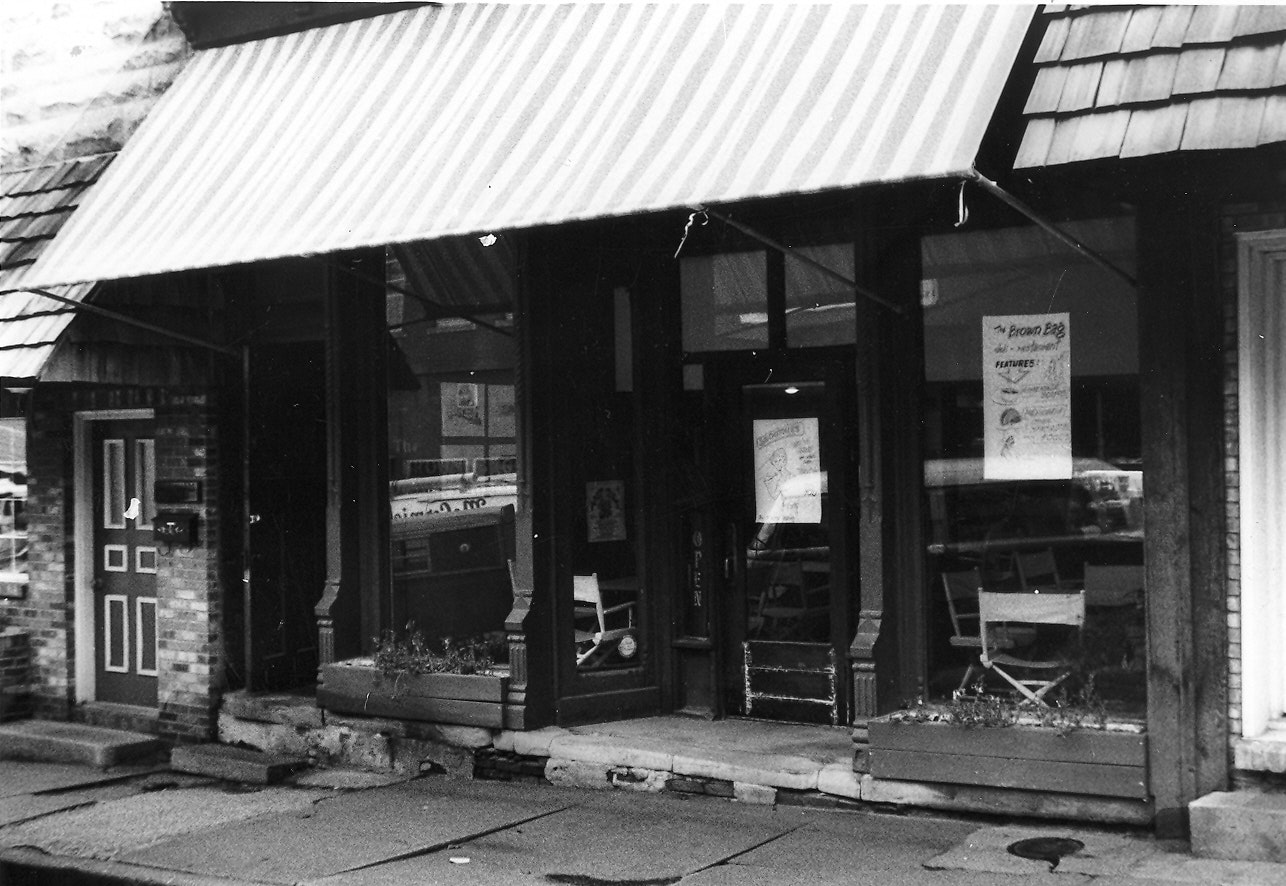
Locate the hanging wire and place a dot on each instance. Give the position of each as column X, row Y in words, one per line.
column 687, row 229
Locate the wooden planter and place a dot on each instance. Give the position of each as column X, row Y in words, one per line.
column 355, row 687
column 1088, row 762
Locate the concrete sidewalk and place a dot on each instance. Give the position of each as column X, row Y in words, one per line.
column 71, row 824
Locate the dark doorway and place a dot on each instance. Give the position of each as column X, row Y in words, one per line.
column 286, row 511
column 776, row 456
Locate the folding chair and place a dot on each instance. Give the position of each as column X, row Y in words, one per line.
column 591, row 616
column 961, row 589
column 1032, row 609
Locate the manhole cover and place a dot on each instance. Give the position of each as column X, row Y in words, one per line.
column 1050, row 849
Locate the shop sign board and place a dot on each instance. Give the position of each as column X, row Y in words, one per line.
column 1027, row 397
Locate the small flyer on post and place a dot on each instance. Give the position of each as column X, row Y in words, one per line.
column 605, row 510
column 1027, row 397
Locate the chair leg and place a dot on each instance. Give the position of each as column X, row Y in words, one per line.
column 1036, row 695
column 968, row 676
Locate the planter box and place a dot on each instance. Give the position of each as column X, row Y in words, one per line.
column 1088, row 762
column 466, row 700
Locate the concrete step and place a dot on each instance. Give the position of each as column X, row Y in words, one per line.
column 233, row 764
column 1244, row 825
column 58, row 742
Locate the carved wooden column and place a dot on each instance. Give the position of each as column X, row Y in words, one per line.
column 870, row 533
column 353, row 595
column 521, row 569
column 327, row 607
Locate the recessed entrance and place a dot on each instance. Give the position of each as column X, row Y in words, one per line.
column 772, row 455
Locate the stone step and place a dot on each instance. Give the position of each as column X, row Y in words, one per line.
column 231, row 763
column 58, row 742
column 1244, row 825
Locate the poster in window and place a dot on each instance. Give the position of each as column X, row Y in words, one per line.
column 788, row 478
column 500, row 411
column 1027, row 397
column 605, row 510
column 462, row 409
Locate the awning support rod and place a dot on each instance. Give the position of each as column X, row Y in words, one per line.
column 427, row 303
column 128, row 321
column 1058, row 233
column 798, row 256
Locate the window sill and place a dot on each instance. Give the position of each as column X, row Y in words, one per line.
column 1265, row 752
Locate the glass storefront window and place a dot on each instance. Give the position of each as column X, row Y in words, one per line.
column 725, row 301
column 1033, row 473
column 819, row 309
column 13, row 503
column 730, row 304
column 452, row 444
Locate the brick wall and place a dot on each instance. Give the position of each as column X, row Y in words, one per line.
column 189, row 589
column 1236, row 218
column 48, row 609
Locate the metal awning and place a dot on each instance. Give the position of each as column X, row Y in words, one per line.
column 472, row 118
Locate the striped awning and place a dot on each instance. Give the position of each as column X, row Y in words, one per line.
column 472, row 118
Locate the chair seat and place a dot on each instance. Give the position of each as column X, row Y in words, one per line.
column 1000, row 639
column 1013, row 662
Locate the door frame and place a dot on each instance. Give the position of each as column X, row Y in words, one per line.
column 86, row 612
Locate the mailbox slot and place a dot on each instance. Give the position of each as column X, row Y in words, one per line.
column 175, row 528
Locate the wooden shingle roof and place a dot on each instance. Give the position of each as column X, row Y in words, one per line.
column 35, row 202
column 1129, row 81
column 34, row 205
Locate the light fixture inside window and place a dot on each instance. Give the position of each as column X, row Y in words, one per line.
column 792, row 390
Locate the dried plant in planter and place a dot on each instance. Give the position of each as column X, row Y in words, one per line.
column 395, row 658
column 1067, row 711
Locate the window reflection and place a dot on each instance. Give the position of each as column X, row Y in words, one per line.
column 452, row 451
column 1048, row 531
column 13, row 504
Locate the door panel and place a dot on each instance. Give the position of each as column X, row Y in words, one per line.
column 125, row 562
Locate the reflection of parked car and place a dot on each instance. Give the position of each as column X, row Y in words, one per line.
column 1098, row 498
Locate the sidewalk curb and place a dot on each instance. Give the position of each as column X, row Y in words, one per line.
column 97, row 870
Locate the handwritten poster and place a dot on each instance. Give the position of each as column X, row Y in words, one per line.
column 462, row 409
column 605, row 510
column 1027, row 397
column 788, row 479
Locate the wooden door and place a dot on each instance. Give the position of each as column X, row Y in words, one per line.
column 125, row 561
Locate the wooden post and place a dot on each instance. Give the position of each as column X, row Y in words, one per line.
column 1180, row 364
